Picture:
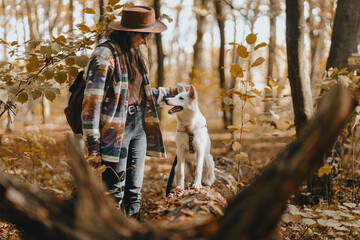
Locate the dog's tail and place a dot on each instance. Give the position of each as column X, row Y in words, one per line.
column 171, row 177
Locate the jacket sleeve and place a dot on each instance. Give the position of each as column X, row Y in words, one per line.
column 161, row 93
column 98, row 69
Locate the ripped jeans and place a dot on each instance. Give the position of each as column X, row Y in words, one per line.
column 124, row 178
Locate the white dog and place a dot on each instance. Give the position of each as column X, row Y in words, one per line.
column 195, row 163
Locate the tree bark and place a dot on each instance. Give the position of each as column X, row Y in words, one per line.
column 194, row 75
column 272, row 48
column 252, row 215
column 221, row 69
column 346, row 33
column 296, row 57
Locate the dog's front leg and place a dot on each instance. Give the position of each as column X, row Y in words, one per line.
column 180, row 170
column 199, row 168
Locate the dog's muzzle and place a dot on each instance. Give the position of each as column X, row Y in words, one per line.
column 132, row 109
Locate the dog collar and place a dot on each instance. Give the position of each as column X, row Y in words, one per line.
column 191, row 137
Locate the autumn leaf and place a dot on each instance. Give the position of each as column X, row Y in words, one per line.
column 272, row 82
column 23, row 97
column 257, row 92
column 35, row 94
column 260, row 45
column 232, row 128
column 227, row 142
column 236, row 71
column 60, row 77
column 258, row 62
column 236, row 146
column 83, row 28
column 50, row 95
column 113, row 2
column 242, row 51
column 251, row 38
column 88, row 10
column 33, row 64
column 81, row 61
column 324, row 170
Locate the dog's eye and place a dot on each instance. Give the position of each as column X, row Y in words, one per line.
column 181, row 98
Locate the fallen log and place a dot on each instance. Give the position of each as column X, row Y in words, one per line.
column 253, row 214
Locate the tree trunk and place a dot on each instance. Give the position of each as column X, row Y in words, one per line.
column 296, row 57
column 160, row 52
column 221, row 24
column 71, row 17
column 346, row 33
column 194, row 75
column 253, row 214
column 272, row 49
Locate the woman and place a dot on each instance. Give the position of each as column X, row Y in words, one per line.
column 120, row 123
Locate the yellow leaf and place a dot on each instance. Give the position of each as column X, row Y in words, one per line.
column 258, row 62
column 232, row 128
column 236, row 71
column 251, row 38
column 227, row 142
column 14, row 43
column 260, row 45
column 252, row 122
column 48, row 73
column 81, row 61
column 257, row 92
column 83, row 28
column 72, row 71
column 251, row 84
column 50, row 95
column 100, row 25
column 246, row 129
column 33, row 64
column 343, row 70
column 272, row 82
column 267, row 89
column 89, row 11
column 109, row 9
column 236, row 146
column 36, row 94
column 250, row 102
column 324, row 170
column 238, row 157
column 113, row 2
column 242, row 51
column 23, row 97
column 60, row 77
column 280, row 88
column 236, row 92
column 111, row 17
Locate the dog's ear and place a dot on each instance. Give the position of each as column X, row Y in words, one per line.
column 180, row 88
column 192, row 92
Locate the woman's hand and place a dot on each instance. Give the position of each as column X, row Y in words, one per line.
column 95, row 161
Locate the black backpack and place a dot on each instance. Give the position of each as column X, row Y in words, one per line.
column 74, row 107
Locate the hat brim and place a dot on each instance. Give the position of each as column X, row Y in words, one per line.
column 157, row 28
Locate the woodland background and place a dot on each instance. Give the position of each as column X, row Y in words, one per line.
column 260, row 68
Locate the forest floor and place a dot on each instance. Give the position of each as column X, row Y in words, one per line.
column 39, row 156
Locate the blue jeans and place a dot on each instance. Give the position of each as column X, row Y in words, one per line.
column 124, row 178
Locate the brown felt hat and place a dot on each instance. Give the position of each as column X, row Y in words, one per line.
column 138, row 19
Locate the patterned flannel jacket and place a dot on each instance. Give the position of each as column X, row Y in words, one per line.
column 105, row 105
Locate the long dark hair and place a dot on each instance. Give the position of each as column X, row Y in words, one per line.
column 133, row 56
